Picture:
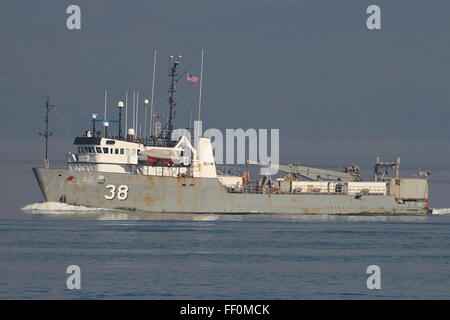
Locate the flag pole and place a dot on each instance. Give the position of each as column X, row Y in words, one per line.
column 200, row 93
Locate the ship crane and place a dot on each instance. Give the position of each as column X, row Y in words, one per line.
column 380, row 175
column 350, row 173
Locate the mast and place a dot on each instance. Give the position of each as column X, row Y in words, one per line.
column 46, row 133
column 173, row 65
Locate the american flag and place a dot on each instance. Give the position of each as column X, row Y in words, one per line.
column 192, row 78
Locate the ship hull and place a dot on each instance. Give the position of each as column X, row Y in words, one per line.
column 200, row 195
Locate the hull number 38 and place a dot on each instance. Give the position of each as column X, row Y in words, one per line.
column 120, row 193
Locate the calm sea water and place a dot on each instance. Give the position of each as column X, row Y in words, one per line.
column 135, row 255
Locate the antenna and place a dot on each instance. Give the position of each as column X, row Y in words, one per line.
column 190, row 122
column 48, row 107
column 201, row 85
column 126, row 112
column 153, row 92
column 137, row 112
column 134, row 110
column 106, row 98
column 146, row 102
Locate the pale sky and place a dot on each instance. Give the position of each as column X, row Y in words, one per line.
column 310, row 68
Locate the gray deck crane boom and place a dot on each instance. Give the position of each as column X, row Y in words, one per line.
column 350, row 173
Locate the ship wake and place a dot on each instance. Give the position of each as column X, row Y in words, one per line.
column 58, row 208
column 441, row 211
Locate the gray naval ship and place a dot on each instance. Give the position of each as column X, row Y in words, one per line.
column 156, row 174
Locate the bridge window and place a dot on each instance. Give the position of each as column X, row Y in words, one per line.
column 121, row 151
column 117, row 151
column 105, row 150
column 99, row 150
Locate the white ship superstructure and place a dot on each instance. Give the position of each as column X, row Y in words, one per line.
column 101, row 154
